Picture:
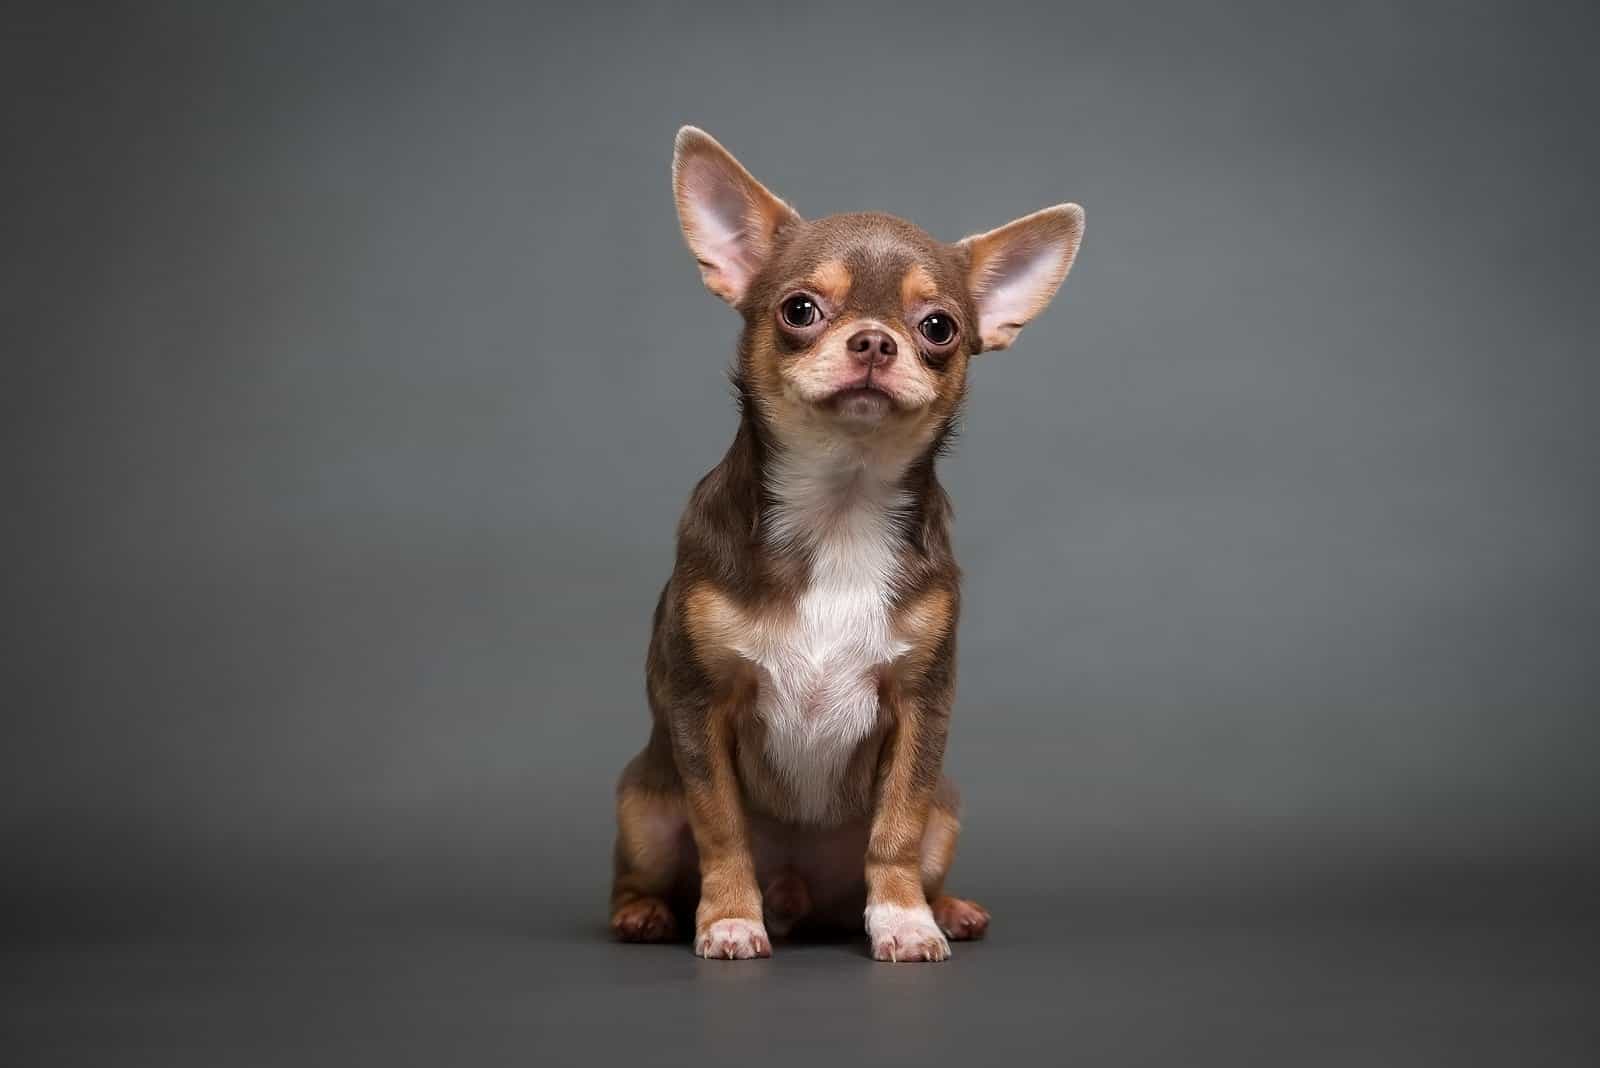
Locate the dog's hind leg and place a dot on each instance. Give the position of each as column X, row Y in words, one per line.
column 958, row 918
column 655, row 868
column 785, row 901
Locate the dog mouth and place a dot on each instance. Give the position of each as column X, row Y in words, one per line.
column 860, row 389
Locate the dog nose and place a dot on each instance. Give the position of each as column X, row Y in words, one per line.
column 872, row 347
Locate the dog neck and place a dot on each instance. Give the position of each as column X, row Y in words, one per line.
column 759, row 523
column 826, row 491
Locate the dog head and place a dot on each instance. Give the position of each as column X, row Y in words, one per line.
column 859, row 327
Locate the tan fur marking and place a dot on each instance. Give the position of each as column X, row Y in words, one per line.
column 917, row 287
column 831, row 281
column 714, row 623
column 923, row 623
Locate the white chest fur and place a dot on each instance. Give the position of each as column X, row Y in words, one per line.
column 819, row 669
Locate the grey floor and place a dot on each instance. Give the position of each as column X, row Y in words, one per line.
column 1452, row 967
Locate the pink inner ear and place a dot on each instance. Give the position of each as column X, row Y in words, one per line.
column 718, row 221
column 1018, row 268
column 1019, row 284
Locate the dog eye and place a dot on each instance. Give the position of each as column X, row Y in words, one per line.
column 800, row 311
column 938, row 328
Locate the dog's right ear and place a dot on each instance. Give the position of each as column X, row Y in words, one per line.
column 729, row 218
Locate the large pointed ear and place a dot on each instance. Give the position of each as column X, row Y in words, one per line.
column 729, row 218
column 1016, row 269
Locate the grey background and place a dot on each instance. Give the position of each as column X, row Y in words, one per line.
column 355, row 374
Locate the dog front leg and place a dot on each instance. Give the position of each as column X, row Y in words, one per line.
column 899, row 922
column 728, row 919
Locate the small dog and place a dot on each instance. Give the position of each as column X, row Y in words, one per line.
column 802, row 660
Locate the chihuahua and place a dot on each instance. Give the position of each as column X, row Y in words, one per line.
column 802, row 660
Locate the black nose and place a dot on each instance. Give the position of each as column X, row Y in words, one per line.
column 871, row 347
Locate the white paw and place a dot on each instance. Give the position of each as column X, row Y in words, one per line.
column 901, row 934
column 733, row 940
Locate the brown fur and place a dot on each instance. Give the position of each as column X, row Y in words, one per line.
column 701, row 813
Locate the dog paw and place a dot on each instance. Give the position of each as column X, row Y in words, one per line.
column 960, row 919
column 732, row 940
column 901, row 934
column 644, row 919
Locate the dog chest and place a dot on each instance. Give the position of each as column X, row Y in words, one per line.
column 818, row 669
column 818, row 688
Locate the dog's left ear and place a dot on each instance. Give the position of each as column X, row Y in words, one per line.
column 729, row 219
column 1015, row 270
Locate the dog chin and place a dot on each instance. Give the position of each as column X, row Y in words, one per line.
column 862, row 406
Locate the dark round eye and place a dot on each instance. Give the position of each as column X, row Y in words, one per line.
column 800, row 311
column 938, row 328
